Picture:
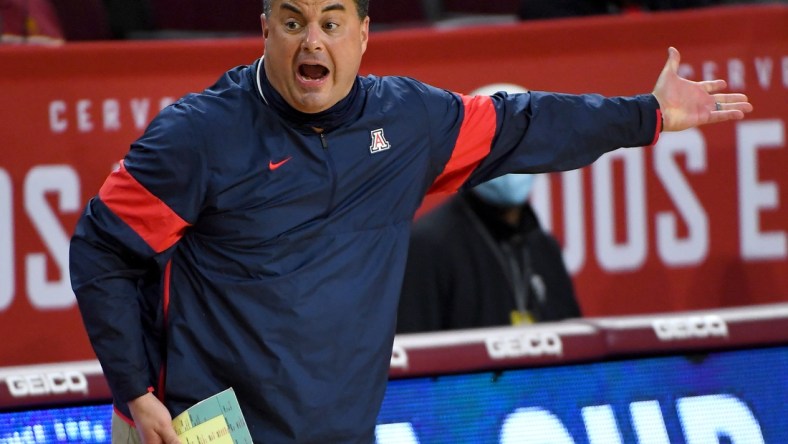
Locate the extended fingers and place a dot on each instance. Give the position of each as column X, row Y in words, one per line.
column 730, row 98
column 722, row 116
column 738, row 106
column 733, row 101
column 711, row 86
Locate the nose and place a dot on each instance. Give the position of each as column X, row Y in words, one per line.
column 312, row 38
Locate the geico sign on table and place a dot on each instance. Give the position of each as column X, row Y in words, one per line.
column 399, row 357
column 690, row 327
column 524, row 344
column 54, row 383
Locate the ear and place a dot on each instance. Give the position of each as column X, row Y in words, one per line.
column 264, row 25
column 364, row 34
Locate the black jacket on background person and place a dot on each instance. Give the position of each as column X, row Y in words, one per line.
column 463, row 264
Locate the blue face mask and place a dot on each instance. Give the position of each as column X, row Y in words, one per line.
column 509, row 190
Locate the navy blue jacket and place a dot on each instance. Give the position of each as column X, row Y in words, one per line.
column 236, row 247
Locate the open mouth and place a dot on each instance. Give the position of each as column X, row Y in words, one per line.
column 312, row 72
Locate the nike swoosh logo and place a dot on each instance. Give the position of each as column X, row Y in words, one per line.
column 274, row 165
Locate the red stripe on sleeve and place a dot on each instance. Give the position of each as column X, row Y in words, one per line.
column 145, row 213
column 473, row 143
column 659, row 127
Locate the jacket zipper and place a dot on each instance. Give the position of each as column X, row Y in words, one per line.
column 332, row 176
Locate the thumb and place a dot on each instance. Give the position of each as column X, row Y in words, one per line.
column 674, row 59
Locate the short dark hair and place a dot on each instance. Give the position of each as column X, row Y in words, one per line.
column 362, row 6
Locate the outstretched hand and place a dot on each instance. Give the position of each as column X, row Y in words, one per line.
column 686, row 104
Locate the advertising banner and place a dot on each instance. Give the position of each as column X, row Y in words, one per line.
column 698, row 221
column 736, row 397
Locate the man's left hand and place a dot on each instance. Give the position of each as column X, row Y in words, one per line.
column 686, row 104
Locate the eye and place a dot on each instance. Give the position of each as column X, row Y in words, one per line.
column 331, row 26
column 292, row 25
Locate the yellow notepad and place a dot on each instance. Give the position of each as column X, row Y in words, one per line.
column 214, row 420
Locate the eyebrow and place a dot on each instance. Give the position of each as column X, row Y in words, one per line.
column 332, row 7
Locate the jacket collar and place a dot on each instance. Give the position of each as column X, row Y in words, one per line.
column 343, row 112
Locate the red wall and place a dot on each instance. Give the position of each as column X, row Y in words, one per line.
column 68, row 114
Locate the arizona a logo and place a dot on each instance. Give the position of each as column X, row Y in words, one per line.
column 379, row 142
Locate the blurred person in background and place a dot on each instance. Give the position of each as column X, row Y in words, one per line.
column 482, row 259
column 255, row 236
column 29, row 22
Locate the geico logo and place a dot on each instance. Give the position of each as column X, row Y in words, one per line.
column 690, row 327
column 55, row 383
column 527, row 344
column 399, row 357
